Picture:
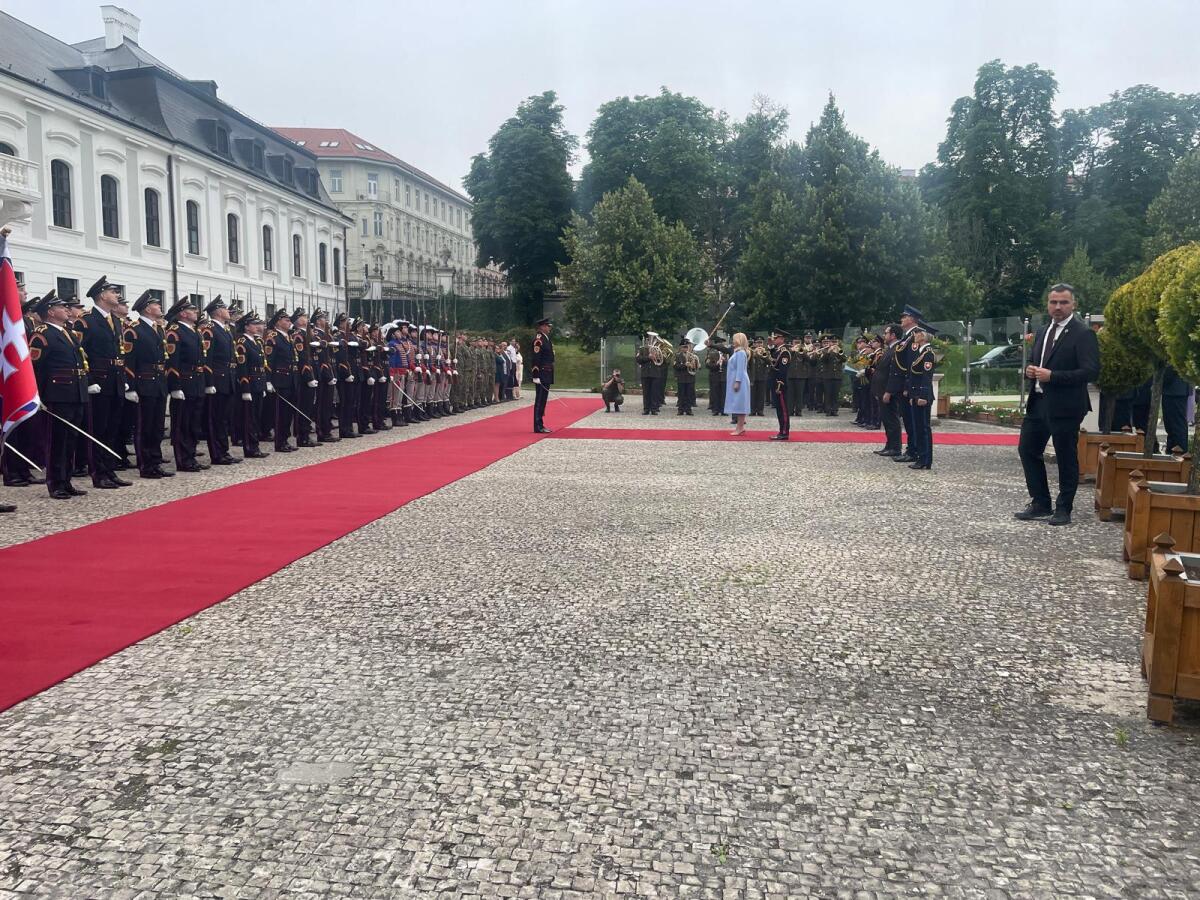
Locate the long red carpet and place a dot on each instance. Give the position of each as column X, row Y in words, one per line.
column 71, row 599
column 798, row 437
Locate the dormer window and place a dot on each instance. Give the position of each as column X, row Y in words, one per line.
column 287, row 169
column 221, row 140
column 97, row 85
column 258, row 157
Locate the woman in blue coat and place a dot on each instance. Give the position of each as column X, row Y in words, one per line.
column 737, row 385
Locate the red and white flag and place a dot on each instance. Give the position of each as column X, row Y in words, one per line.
column 18, row 386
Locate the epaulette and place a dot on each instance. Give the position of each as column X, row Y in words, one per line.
column 40, row 329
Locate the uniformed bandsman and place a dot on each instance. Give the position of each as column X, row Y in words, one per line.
column 320, row 343
column 686, row 364
column 759, row 371
column 714, row 361
column 60, row 367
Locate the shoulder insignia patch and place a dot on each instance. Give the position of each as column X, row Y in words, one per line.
column 928, row 365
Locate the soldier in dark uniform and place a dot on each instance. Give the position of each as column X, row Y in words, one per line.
column 61, row 371
column 686, row 363
column 307, row 384
column 714, row 361
column 902, row 360
column 660, row 383
column 186, row 384
column 379, row 371
column 26, row 438
column 919, row 387
column 781, row 364
column 217, row 339
column 365, row 351
column 648, row 373
column 797, row 379
column 248, row 353
column 100, row 335
column 345, row 355
column 320, row 344
column 612, row 391
column 759, row 371
column 282, row 372
column 888, row 403
column 144, row 349
column 127, row 432
column 542, row 370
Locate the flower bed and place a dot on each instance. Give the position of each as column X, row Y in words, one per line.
column 987, row 414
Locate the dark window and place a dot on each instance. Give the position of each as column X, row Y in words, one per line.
column 67, row 287
column 222, row 140
column 268, row 249
column 158, row 295
column 193, row 227
column 153, row 234
column 7, row 149
column 296, row 255
column 60, row 192
column 231, row 226
column 287, row 169
column 110, row 219
column 337, row 266
column 321, row 267
column 98, row 85
column 259, row 157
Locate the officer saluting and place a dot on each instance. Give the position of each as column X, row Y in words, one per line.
column 61, row 370
column 101, row 340
column 542, row 370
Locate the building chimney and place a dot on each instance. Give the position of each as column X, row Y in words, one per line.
column 119, row 24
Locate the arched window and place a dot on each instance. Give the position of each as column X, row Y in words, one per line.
column 296, row 255
column 322, row 269
column 153, row 231
column 60, row 193
column 110, row 219
column 268, row 249
column 231, row 227
column 7, row 149
column 193, row 227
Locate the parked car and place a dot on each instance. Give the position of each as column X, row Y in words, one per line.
column 1006, row 357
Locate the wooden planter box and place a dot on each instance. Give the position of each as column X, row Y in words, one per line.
column 943, row 406
column 1171, row 641
column 1115, row 467
column 1153, row 508
column 1089, row 448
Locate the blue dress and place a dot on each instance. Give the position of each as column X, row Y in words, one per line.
column 737, row 403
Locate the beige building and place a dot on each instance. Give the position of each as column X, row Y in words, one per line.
column 405, row 221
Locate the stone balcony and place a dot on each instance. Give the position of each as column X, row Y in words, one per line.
column 18, row 189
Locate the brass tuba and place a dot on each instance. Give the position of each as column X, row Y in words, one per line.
column 691, row 361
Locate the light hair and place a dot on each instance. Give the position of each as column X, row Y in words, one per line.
column 740, row 343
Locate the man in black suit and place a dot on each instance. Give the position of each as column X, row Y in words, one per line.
column 1065, row 358
column 889, row 408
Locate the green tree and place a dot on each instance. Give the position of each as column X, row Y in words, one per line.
column 998, row 179
column 1092, row 288
column 522, row 195
column 630, row 271
column 1120, row 370
column 1180, row 327
column 1174, row 216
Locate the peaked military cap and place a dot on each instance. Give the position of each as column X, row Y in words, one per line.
column 548, row 322
column 339, row 319
column 318, row 314
column 216, row 303
column 279, row 314
column 144, row 300
column 911, row 311
column 250, row 318
column 779, row 332
column 99, row 287
column 49, row 300
column 28, row 305
column 235, row 308
column 298, row 312
column 181, row 305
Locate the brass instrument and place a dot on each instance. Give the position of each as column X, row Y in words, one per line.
column 691, row 361
column 657, row 348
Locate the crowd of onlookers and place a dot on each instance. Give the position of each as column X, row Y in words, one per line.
column 510, row 369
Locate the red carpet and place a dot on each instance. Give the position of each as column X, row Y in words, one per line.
column 798, row 437
column 73, row 598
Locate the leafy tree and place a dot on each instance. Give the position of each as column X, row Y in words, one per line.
column 1092, row 288
column 630, row 271
column 998, row 179
column 522, row 195
column 1180, row 326
column 1120, row 370
column 1174, row 216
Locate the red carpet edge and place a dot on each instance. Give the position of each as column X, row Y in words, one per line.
column 797, row 437
column 76, row 597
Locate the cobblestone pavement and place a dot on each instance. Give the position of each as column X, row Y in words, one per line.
column 627, row 669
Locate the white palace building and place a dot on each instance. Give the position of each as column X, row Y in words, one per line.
column 111, row 163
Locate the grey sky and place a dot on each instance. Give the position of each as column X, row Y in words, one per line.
column 430, row 81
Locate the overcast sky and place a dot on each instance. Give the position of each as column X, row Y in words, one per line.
column 430, row 81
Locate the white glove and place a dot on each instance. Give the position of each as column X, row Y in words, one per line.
column 93, row 388
column 537, row 381
column 314, row 343
column 349, row 379
column 332, row 381
column 312, row 383
column 176, row 395
column 335, row 343
column 270, row 388
column 370, row 381
column 352, row 343
column 210, row 390
column 247, row 397
column 131, row 396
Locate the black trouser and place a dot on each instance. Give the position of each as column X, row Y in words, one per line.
column 306, row 401
column 218, row 426
column 1036, row 431
column 650, row 394
column 833, row 387
column 266, row 422
column 128, row 438
column 890, row 415
column 104, row 423
column 796, row 390
column 922, row 449
column 541, row 395
column 186, row 417
column 60, row 442
column 283, row 415
column 905, row 410
column 716, row 393
column 1174, row 413
column 325, row 410
column 151, row 420
column 366, row 395
column 781, row 407
column 347, row 406
column 758, row 397
column 251, row 414
column 686, row 398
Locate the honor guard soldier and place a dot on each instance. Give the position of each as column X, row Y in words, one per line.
column 144, row 348
column 307, row 384
column 397, row 372
column 366, row 377
column 249, row 357
column 60, row 367
column 379, row 412
column 781, row 363
column 648, row 374
column 832, row 360
column 186, row 384
column 100, row 334
column 902, row 360
column 319, row 341
column 919, row 387
column 542, row 370
column 686, row 364
column 345, row 356
column 797, row 379
column 281, row 376
column 217, row 340
column 714, row 361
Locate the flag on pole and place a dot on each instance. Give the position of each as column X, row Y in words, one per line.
column 18, row 386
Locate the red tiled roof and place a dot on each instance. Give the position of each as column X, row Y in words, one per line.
column 340, row 143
